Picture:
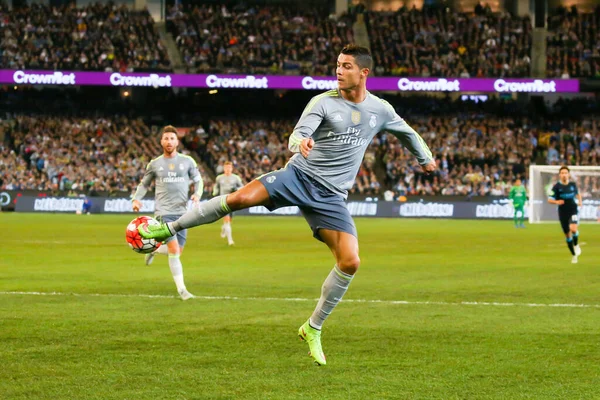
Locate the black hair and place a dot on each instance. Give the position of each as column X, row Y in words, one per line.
column 361, row 55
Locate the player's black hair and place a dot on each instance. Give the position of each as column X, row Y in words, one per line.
column 361, row 55
column 169, row 129
column 564, row 167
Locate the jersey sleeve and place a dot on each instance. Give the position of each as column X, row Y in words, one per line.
column 407, row 135
column 309, row 121
column 239, row 183
column 511, row 194
column 217, row 188
column 576, row 189
column 147, row 180
column 554, row 192
column 195, row 177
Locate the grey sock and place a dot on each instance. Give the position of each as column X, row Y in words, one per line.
column 203, row 213
column 332, row 291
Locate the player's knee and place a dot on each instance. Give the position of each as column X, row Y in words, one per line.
column 349, row 264
column 238, row 200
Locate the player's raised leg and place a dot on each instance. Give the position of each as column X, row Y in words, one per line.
column 344, row 247
column 253, row 194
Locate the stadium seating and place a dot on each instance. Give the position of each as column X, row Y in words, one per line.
column 479, row 152
column 573, row 44
column 98, row 37
column 438, row 42
column 264, row 39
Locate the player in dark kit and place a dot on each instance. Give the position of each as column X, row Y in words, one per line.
column 567, row 197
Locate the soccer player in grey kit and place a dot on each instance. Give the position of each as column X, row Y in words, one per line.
column 330, row 141
column 227, row 183
column 173, row 173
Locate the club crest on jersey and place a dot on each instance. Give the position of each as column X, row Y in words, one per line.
column 271, row 179
column 373, row 121
column 355, row 118
column 171, row 167
column 181, row 167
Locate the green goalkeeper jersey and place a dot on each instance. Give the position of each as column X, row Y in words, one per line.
column 518, row 195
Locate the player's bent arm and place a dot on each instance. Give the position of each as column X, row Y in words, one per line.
column 309, row 121
column 580, row 199
column 552, row 200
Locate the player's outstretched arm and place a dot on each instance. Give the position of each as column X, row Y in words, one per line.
column 410, row 139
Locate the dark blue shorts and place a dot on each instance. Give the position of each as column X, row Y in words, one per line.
column 181, row 235
column 322, row 208
column 567, row 218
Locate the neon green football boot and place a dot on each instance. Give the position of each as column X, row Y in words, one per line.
column 157, row 232
column 313, row 337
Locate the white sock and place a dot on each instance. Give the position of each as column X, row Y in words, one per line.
column 332, row 291
column 176, row 271
column 227, row 226
column 163, row 249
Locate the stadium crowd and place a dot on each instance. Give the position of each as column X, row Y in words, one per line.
column 258, row 39
column 439, row 42
column 304, row 40
column 97, row 37
column 90, row 155
column 478, row 154
column 573, row 44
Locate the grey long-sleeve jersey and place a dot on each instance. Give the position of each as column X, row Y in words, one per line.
column 227, row 184
column 342, row 131
column 173, row 177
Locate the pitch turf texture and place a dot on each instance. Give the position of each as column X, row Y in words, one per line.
column 418, row 323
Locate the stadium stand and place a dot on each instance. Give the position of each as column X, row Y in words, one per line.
column 98, row 37
column 480, row 149
column 573, row 44
column 438, row 42
column 265, row 39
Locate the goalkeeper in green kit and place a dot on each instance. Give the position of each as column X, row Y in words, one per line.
column 518, row 195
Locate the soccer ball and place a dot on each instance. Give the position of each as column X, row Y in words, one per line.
column 135, row 241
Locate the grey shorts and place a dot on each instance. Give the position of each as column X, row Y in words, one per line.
column 181, row 235
column 322, row 208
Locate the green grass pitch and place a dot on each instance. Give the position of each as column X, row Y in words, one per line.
column 439, row 310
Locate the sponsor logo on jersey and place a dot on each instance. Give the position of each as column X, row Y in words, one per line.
column 349, row 137
column 337, row 118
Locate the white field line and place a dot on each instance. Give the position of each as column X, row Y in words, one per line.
column 299, row 299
